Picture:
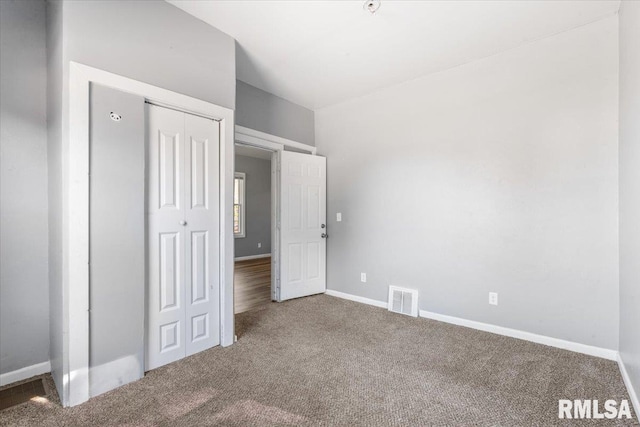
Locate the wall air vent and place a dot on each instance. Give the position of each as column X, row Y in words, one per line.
column 403, row 301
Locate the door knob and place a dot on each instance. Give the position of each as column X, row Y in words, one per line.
column 322, row 226
column 183, row 222
column 324, row 235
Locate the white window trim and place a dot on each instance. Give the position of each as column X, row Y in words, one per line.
column 243, row 204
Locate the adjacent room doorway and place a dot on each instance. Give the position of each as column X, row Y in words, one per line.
column 280, row 225
column 253, row 221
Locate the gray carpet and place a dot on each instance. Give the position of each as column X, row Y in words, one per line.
column 329, row 362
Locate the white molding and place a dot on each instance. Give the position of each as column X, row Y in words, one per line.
column 248, row 257
column 227, row 168
column 486, row 327
column 243, row 204
column 75, row 194
column 25, row 373
column 249, row 136
column 527, row 336
column 275, row 220
column 627, row 382
column 356, row 298
column 251, row 141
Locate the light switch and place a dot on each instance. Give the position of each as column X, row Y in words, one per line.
column 339, row 216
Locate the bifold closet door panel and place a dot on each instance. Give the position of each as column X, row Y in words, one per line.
column 117, row 239
column 165, row 237
column 183, row 235
column 202, row 161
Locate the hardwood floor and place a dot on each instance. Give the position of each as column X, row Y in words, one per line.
column 252, row 284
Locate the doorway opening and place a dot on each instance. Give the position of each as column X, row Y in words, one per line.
column 290, row 209
column 254, row 219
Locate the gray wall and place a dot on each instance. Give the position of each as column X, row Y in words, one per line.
column 630, row 190
column 258, row 206
column 117, row 244
column 499, row 175
column 263, row 111
column 24, row 292
column 55, row 84
column 154, row 42
column 151, row 41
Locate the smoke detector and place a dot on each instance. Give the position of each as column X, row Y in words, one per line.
column 372, row 6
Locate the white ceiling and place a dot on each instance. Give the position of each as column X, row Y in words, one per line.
column 318, row 53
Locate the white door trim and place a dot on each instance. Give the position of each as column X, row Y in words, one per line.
column 75, row 215
column 243, row 221
column 275, row 225
column 253, row 137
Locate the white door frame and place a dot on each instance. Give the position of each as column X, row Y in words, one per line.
column 260, row 139
column 275, row 144
column 75, row 215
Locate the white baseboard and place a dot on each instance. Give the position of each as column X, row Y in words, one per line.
column 590, row 350
column 513, row 333
column 627, row 382
column 356, row 298
column 245, row 258
column 24, row 373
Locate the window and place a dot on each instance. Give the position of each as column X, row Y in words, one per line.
column 238, row 204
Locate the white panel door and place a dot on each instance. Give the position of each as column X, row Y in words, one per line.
column 182, row 235
column 165, row 237
column 303, row 190
column 202, row 239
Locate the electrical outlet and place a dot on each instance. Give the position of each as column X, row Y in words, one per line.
column 259, row 245
column 339, row 216
column 493, row 298
column 363, row 277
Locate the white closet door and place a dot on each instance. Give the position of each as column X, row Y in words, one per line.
column 166, row 235
column 202, row 217
column 182, row 227
column 303, row 200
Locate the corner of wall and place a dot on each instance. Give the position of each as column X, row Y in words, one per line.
column 55, row 71
column 629, row 196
